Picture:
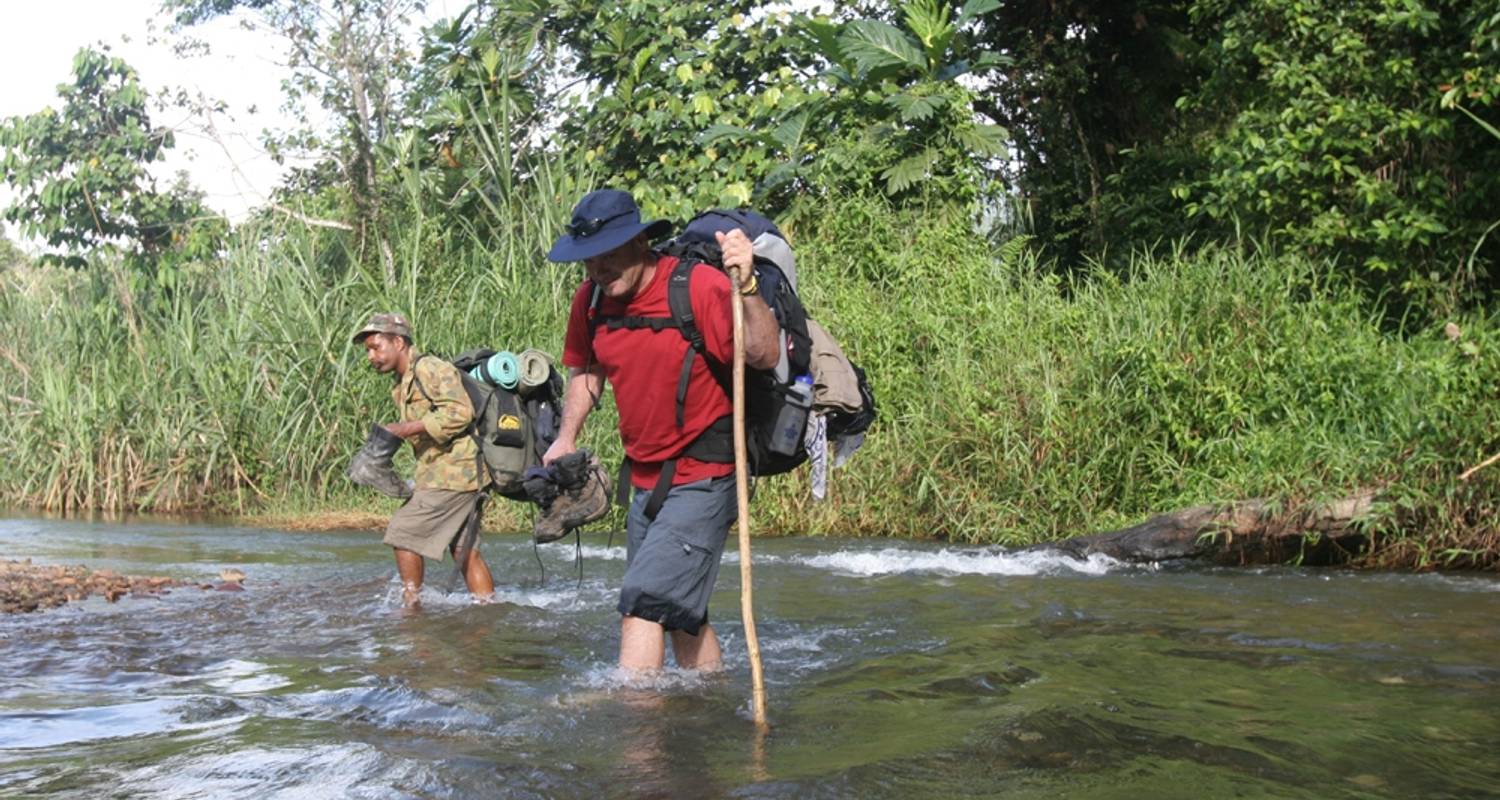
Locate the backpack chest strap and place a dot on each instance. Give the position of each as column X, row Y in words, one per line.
column 680, row 303
column 656, row 324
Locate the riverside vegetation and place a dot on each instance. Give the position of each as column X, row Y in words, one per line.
column 1061, row 343
column 1016, row 406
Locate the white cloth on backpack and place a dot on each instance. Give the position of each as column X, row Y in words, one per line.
column 815, row 438
column 835, row 386
column 776, row 250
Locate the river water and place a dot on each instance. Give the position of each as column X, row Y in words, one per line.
column 893, row 669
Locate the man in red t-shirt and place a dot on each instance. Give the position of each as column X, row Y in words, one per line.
column 616, row 334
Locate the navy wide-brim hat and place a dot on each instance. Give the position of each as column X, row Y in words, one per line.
column 603, row 220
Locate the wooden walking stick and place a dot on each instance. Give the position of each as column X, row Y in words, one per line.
column 742, row 496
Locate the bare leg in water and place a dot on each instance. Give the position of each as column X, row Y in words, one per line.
column 476, row 574
column 643, row 647
column 410, row 567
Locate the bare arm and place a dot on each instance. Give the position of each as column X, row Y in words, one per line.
column 407, row 430
column 585, row 387
column 762, row 342
column 761, row 333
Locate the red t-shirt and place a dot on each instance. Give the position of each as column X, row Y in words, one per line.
column 643, row 366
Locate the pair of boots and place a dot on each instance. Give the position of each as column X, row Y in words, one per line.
column 571, row 492
column 371, row 464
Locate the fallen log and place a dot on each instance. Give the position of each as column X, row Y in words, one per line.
column 1244, row 532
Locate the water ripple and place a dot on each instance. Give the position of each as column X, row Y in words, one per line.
column 29, row 730
column 901, row 561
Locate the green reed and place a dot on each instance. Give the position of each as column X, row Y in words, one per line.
column 1019, row 406
column 1016, row 405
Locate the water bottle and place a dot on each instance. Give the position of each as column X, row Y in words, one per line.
column 792, row 418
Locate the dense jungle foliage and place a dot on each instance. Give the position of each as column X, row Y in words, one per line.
column 1099, row 259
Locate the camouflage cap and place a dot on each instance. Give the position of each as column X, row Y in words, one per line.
column 384, row 322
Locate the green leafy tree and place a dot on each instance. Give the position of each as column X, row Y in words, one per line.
column 696, row 104
column 1479, row 82
column 351, row 59
column 81, row 177
column 480, row 101
column 1089, row 95
column 895, row 108
column 1325, row 129
column 644, row 81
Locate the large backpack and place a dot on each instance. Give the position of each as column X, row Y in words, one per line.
column 807, row 350
column 513, row 427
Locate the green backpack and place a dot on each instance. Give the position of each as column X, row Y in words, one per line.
column 512, row 426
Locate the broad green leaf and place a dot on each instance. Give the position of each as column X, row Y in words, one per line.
column 973, row 9
column 914, row 108
column 453, row 30
column 789, row 133
column 909, row 171
column 928, row 20
column 640, row 60
column 735, row 195
column 873, row 44
column 824, row 36
column 779, row 176
column 720, row 131
column 983, row 139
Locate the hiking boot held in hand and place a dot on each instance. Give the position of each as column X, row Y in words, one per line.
column 582, row 499
column 371, row 464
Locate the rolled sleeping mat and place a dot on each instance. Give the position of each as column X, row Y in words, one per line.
column 536, row 368
column 500, row 369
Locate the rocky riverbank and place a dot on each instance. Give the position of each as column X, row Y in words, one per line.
column 26, row 587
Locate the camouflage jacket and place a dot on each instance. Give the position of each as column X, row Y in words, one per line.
column 447, row 457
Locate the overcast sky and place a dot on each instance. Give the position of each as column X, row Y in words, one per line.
column 36, row 54
column 243, row 69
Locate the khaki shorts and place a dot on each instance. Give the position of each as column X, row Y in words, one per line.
column 429, row 520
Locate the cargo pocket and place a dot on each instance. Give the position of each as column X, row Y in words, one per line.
column 694, row 560
column 668, row 583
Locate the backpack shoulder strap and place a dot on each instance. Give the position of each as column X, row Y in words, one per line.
column 680, row 301
column 417, row 382
column 596, row 293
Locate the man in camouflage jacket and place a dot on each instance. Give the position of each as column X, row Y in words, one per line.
column 435, row 413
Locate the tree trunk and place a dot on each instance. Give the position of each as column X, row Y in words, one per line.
column 1254, row 531
column 366, row 189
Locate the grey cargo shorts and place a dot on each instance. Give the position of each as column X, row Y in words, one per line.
column 671, row 563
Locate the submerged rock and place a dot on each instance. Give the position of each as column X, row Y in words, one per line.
column 26, row 587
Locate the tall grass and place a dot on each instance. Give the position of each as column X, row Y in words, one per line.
column 1015, row 406
column 242, row 389
column 1019, row 407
